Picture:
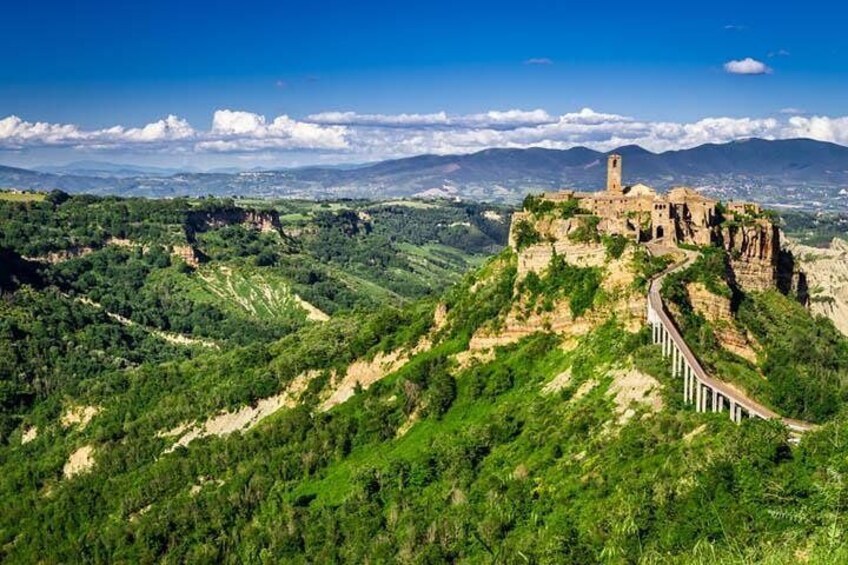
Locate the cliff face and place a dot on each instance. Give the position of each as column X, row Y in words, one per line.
column 718, row 310
column 620, row 298
column 264, row 221
column 754, row 250
column 825, row 272
column 188, row 254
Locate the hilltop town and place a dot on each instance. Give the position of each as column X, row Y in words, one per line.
column 682, row 216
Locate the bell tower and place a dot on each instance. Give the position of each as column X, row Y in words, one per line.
column 614, row 174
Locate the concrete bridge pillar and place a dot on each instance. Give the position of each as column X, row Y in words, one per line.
column 691, row 386
column 675, row 362
column 690, row 393
column 698, row 393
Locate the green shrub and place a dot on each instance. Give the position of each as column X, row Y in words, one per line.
column 587, row 231
column 615, row 245
column 561, row 279
column 537, row 204
column 525, row 235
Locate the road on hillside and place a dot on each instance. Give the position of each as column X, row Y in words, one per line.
column 750, row 405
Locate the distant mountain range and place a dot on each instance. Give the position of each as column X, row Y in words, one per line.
column 106, row 170
column 796, row 172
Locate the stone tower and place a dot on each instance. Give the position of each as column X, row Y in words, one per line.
column 614, row 174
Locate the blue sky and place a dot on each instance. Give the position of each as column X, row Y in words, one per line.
column 82, row 79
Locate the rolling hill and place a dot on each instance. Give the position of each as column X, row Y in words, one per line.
column 795, row 172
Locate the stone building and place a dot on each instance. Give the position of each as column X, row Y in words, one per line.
column 640, row 213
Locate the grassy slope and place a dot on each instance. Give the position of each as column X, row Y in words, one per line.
column 801, row 370
column 243, row 290
column 22, row 196
column 504, row 472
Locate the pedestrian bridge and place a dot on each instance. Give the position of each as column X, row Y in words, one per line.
column 706, row 393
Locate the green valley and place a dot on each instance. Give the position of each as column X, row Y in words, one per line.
column 393, row 382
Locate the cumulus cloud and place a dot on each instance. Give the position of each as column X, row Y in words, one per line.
column 747, row 66
column 17, row 133
column 492, row 118
column 352, row 136
column 231, row 131
column 822, row 128
column 386, row 120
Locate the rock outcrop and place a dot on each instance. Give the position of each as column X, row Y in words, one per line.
column 825, row 273
column 621, row 300
column 187, row 253
column 754, row 250
column 717, row 309
column 554, row 233
column 260, row 220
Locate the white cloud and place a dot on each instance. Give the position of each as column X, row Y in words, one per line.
column 231, row 131
column 349, row 136
column 492, row 118
column 246, row 131
column 386, row 120
column 792, row 111
column 746, row 66
column 822, row 128
column 539, row 61
column 17, row 133
column 171, row 128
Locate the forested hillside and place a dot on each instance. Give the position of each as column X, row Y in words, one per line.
column 93, row 284
column 434, row 415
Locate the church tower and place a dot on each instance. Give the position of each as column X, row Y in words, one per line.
column 614, row 174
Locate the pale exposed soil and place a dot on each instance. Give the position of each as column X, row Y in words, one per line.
column 312, row 312
column 440, row 316
column 493, row 216
column 203, row 482
column 694, row 433
column 467, row 358
column 557, row 383
column 410, row 421
column 242, row 419
column 170, row 337
column 584, row 389
column 365, row 372
column 79, row 461
column 76, row 415
column 633, row 386
column 29, row 434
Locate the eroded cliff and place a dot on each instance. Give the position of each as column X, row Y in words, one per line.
column 754, row 250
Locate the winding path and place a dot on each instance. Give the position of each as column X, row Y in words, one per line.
column 707, row 393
